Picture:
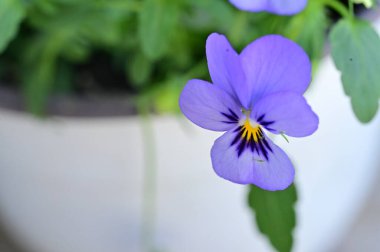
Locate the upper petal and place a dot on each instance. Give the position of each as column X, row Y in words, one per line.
column 264, row 164
column 286, row 113
column 209, row 106
column 280, row 7
column 275, row 64
column 225, row 67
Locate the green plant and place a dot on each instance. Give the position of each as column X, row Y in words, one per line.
column 155, row 45
column 150, row 48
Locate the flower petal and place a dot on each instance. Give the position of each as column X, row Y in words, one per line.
column 225, row 67
column 264, row 164
column 208, row 106
column 280, row 7
column 287, row 113
column 275, row 64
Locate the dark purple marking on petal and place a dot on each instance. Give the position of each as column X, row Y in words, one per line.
column 261, row 146
column 241, row 147
column 253, row 146
column 270, row 129
column 260, row 118
column 240, row 128
column 266, row 123
column 263, row 122
column 260, row 133
column 265, row 142
column 263, row 150
column 238, row 136
column 231, row 116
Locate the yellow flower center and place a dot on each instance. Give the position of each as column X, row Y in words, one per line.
column 251, row 132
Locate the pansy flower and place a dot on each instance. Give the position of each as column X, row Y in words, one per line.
column 280, row 7
column 257, row 91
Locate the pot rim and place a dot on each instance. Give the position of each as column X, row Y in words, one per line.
column 73, row 105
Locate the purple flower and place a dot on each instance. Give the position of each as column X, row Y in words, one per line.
column 280, row 7
column 259, row 89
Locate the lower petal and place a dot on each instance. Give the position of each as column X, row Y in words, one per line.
column 263, row 163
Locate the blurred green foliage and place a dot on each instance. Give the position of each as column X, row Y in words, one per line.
column 356, row 51
column 47, row 46
column 156, row 44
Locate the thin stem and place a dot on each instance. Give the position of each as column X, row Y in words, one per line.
column 338, row 7
column 284, row 136
column 149, row 183
column 351, row 8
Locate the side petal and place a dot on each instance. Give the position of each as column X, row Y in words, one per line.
column 209, row 106
column 266, row 165
column 286, row 113
column 279, row 7
column 225, row 67
column 275, row 64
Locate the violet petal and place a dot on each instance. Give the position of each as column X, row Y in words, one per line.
column 208, row 106
column 287, row 113
column 271, row 171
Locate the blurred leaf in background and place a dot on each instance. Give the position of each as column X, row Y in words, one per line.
column 139, row 69
column 308, row 29
column 355, row 48
column 11, row 14
column 157, row 22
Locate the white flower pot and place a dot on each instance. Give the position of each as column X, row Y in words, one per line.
column 69, row 184
column 75, row 184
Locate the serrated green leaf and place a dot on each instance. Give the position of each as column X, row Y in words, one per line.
column 355, row 49
column 157, row 22
column 11, row 15
column 275, row 215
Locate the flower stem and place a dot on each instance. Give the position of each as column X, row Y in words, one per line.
column 149, row 184
column 338, row 7
column 284, row 136
column 351, row 8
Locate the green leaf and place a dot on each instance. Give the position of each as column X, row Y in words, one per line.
column 210, row 14
column 11, row 15
column 39, row 73
column 139, row 69
column 275, row 215
column 355, row 49
column 309, row 29
column 157, row 23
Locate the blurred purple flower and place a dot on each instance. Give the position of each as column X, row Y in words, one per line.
column 280, row 7
column 262, row 88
